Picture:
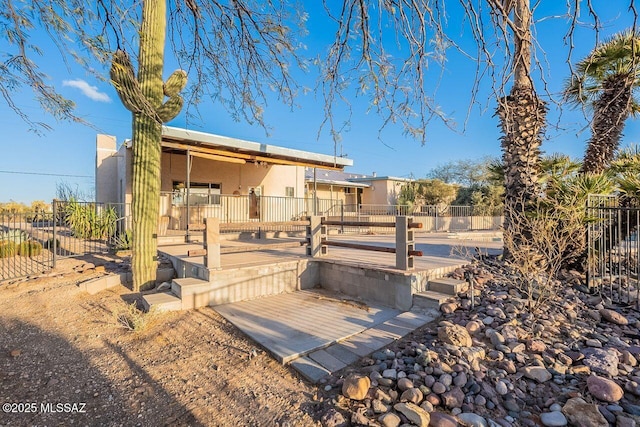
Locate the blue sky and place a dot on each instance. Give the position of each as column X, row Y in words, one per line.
column 69, row 149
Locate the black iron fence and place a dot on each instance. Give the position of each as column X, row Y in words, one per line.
column 31, row 242
column 26, row 244
column 613, row 264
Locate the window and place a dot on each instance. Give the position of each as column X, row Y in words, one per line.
column 199, row 193
column 289, row 191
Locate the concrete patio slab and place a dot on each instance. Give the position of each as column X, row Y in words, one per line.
column 296, row 324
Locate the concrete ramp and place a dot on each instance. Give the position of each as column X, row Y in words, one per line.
column 319, row 332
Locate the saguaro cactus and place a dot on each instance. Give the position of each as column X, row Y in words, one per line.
column 144, row 97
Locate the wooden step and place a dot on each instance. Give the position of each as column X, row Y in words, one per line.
column 429, row 299
column 162, row 301
column 447, row 286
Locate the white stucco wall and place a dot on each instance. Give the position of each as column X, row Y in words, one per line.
column 106, row 169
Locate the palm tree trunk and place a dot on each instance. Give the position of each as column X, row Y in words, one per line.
column 522, row 118
column 147, row 135
column 610, row 112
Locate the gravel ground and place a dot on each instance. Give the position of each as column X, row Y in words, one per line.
column 65, row 360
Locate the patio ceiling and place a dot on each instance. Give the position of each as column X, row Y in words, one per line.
column 221, row 148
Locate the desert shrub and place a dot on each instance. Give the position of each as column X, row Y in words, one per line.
column 538, row 243
column 88, row 221
column 123, row 241
column 7, row 249
column 49, row 243
column 129, row 317
column 29, row 248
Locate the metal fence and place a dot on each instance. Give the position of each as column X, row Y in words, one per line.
column 25, row 244
column 31, row 242
column 433, row 218
column 613, row 265
column 244, row 210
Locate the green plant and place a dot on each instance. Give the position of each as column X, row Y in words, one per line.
column 129, row 317
column 29, row 248
column 123, row 241
column 88, row 221
column 7, row 249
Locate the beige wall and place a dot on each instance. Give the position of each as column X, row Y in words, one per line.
column 233, row 177
column 328, row 192
column 382, row 192
column 106, row 169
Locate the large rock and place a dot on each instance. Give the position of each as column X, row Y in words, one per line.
column 390, row 420
column 537, row 373
column 454, row 398
column 356, row 386
column 468, row 419
column 455, row 335
column 583, row 414
column 613, row 317
column 553, row 419
column 440, row 419
column 413, row 395
column 414, row 413
column 604, row 389
column 601, row 361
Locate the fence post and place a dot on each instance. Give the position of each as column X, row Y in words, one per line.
column 342, row 217
column 316, row 232
column 212, row 243
column 55, row 233
column 404, row 243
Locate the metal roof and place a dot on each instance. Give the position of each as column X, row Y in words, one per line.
column 219, row 147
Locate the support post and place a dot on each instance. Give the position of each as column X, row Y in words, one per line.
column 188, row 190
column 54, row 243
column 212, row 243
column 316, row 233
column 404, row 243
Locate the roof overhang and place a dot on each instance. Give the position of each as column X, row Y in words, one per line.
column 222, row 148
column 339, row 183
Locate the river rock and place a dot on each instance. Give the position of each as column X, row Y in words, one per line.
column 356, row 386
column 440, row 419
column 405, row 384
column 613, row 317
column 537, row 373
column 412, row 395
column 553, row 419
column 455, row 335
column 414, row 413
column 389, row 420
column 581, row 413
column 601, row 361
column 604, row 389
column 468, row 419
column 453, row 398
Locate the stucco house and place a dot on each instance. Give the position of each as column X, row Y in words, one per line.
column 204, row 174
column 357, row 192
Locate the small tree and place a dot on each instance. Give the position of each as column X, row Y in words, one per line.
column 536, row 262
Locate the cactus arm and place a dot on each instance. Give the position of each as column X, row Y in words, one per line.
column 175, row 83
column 123, row 79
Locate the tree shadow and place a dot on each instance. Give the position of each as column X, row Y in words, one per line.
column 45, row 369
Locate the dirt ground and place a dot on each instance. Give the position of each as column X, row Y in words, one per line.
column 64, row 360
